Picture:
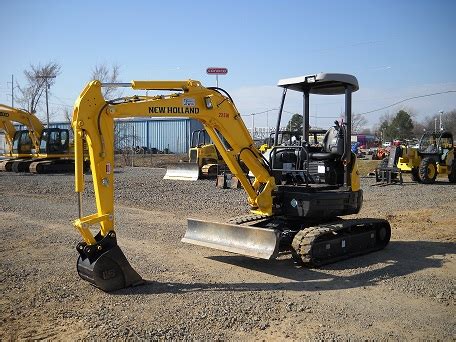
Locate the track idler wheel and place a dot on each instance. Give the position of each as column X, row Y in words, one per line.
column 105, row 266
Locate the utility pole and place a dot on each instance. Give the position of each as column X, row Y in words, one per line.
column 12, row 90
column 441, row 124
column 253, row 125
column 46, row 77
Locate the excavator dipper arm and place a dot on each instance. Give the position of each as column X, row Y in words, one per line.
column 101, row 261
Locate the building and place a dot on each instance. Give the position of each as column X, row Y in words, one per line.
column 168, row 135
column 366, row 140
column 3, row 147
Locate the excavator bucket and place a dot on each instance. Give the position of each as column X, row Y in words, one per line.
column 251, row 241
column 105, row 266
column 182, row 171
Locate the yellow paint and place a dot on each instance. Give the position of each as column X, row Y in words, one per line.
column 7, row 127
column 355, row 180
column 409, row 160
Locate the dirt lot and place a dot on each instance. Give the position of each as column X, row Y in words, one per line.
column 406, row 291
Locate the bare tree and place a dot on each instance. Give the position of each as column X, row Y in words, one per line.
column 448, row 121
column 358, row 122
column 30, row 94
column 104, row 74
column 67, row 114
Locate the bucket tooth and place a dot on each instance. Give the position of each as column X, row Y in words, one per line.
column 182, row 171
column 105, row 266
column 251, row 241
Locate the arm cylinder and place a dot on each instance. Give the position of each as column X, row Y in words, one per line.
column 78, row 160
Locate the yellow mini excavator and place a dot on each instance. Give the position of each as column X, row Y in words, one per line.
column 296, row 197
column 23, row 142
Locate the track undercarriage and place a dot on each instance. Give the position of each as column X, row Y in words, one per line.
column 41, row 165
column 52, row 166
column 7, row 164
column 310, row 243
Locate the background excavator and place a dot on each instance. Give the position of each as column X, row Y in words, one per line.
column 24, row 141
column 203, row 159
column 296, row 196
column 37, row 149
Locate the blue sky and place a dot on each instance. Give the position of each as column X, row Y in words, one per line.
column 396, row 49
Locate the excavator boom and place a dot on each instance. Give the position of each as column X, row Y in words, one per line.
column 25, row 118
column 31, row 135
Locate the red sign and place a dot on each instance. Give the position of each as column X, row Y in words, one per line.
column 217, row 71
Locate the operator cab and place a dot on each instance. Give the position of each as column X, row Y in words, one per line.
column 22, row 143
column 54, row 141
column 199, row 138
column 436, row 144
column 331, row 162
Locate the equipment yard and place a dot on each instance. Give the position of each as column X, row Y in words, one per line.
column 405, row 291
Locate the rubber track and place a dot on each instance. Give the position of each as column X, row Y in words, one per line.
column 303, row 241
column 302, row 244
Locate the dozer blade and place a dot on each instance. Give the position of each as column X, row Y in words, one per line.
column 182, row 171
column 105, row 266
column 245, row 240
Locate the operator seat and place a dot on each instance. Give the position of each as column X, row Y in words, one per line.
column 333, row 145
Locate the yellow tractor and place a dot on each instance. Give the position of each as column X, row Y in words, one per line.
column 434, row 156
column 203, row 159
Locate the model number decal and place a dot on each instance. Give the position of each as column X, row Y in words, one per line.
column 4, row 114
column 224, row 115
column 188, row 102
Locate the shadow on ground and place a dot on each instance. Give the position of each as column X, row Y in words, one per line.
column 398, row 259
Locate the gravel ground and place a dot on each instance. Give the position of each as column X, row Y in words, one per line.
column 406, row 291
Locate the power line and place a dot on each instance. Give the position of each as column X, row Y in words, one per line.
column 407, row 99
column 62, row 103
column 267, row 111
